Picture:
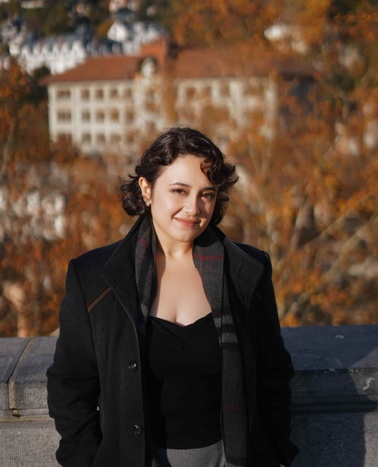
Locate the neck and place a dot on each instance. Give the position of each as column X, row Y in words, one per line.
column 174, row 250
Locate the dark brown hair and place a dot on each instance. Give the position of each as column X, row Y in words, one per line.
column 175, row 142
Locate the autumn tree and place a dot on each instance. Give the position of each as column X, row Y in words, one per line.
column 307, row 195
column 307, row 192
column 54, row 205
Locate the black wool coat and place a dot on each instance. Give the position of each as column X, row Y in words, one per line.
column 96, row 382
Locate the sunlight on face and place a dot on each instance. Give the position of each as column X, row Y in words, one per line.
column 182, row 200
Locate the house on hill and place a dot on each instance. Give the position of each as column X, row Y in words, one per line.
column 109, row 104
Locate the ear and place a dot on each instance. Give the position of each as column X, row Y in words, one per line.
column 145, row 188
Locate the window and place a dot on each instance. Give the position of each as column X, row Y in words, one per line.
column 224, row 89
column 150, row 127
column 86, row 138
column 115, row 138
column 129, row 138
column 100, row 138
column 190, row 93
column 150, row 95
column 100, row 116
column 151, row 107
column 62, row 94
column 64, row 137
column 128, row 93
column 113, row 93
column 205, row 91
column 114, row 115
column 85, row 94
column 64, row 116
column 85, row 116
column 253, row 88
column 99, row 94
column 130, row 116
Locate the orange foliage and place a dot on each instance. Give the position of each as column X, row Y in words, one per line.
column 54, row 205
column 212, row 22
column 308, row 196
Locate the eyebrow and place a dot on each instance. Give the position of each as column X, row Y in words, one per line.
column 212, row 188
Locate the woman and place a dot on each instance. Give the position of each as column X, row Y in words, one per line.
column 170, row 351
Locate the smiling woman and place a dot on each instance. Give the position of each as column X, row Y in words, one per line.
column 182, row 201
column 163, row 152
column 174, row 330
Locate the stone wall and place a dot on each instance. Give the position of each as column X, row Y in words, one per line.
column 335, row 393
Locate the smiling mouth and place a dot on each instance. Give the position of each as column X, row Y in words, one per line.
column 187, row 222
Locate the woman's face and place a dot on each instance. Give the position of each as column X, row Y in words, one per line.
column 182, row 200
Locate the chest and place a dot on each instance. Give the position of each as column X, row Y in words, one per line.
column 180, row 296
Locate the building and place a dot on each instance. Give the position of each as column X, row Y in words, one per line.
column 105, row 103
column 133, row 35
column 109, row 104
column 61, row 53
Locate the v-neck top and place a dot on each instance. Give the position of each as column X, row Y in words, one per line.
column 184, row 383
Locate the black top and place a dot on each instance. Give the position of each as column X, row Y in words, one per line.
column 184, row 383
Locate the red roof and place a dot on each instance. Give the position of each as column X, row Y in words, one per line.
column 241, row 60
column 189, row 63
column 104, row 68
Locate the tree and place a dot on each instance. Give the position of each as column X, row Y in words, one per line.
column 307, row 192
column 308, row 195
column 220, row 22
column 54, row 205
column 316, row 199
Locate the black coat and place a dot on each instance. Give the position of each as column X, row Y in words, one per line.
column 99, row 361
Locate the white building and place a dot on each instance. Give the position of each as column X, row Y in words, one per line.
column 61, row 53
column 103, row 104
column 134, row 35
column 108, row 104
column 65, row 52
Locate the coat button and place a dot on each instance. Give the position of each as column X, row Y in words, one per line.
column 133, row 365
column 138, row 430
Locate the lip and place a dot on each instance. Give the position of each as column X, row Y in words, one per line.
column 188, row 222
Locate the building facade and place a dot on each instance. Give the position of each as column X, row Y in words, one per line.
column 110, row 104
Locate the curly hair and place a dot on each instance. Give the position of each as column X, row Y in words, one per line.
column 175, row 142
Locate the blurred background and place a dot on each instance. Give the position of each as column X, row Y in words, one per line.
column 287, row 89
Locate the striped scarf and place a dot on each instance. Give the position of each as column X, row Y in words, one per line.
column 208, row 257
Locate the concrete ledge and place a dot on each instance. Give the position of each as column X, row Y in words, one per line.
column 335, row 398
column 27, row 385
column 336, row 367
column 10, row 353
column 335, row 395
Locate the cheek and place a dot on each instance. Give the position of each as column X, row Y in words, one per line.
column 165, row 203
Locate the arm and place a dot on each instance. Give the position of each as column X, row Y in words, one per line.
column 274, row 372
column 73, row 382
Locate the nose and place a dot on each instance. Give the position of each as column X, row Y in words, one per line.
column 192, row 206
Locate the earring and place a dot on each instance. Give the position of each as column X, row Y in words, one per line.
column 148, row 203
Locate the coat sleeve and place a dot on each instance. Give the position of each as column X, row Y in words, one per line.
column 274, row 372
column 73, row 381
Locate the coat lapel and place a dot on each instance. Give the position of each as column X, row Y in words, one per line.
column 119, row 271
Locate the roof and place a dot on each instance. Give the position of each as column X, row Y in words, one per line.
column 188, row 63
column 103, row 68
column 243, row 60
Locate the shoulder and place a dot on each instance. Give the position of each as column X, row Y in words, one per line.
column 244, row 253
column 241, row 253
column 259, row 255
column 96, row 258
column 86, row 271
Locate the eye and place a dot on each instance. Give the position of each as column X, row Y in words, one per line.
column 179, row 191
column 209, row 195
